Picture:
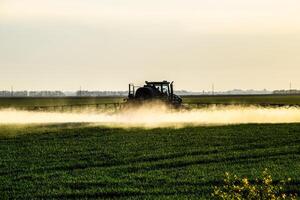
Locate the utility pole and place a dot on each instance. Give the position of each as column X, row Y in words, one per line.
column 290, row 87
column 213, row 89
column 80, row 91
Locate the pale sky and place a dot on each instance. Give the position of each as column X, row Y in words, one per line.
column 105, row 44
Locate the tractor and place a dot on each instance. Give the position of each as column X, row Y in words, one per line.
column 157, row 91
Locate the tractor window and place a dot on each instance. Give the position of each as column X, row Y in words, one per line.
column 166, row 89
column 158, row 87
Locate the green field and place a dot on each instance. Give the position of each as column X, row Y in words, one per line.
column 245, row 99
column 58, row 101
column 87, row 162
column 236, row 99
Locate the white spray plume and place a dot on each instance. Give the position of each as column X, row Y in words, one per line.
column 156, row 115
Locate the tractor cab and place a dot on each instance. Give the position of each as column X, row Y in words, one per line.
column 163, row 87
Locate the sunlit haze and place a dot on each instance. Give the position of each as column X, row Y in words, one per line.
column 154, row 116
column 104, row 45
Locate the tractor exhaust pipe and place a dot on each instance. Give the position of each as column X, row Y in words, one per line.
column 172, row 91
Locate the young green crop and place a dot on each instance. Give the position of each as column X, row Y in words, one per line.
column 83, row 161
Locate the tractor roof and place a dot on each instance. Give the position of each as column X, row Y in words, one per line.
column 157, row 82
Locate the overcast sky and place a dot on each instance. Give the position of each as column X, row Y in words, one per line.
column 105, row 44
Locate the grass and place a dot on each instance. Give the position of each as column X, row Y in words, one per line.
column 236, row 99
column 245, row 99
column 55, row 101
column 66, row 161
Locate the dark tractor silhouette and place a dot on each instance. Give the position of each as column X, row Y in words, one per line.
column 162, row 91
